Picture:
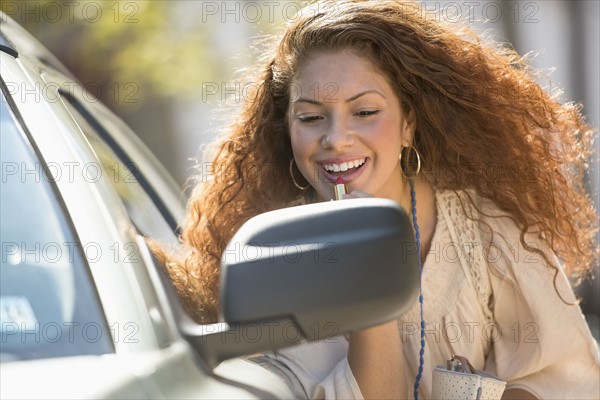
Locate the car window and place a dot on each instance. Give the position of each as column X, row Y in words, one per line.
column 48, row 304
column 146, row 212
column 149, row 218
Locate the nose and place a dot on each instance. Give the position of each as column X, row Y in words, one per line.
column 337, row 136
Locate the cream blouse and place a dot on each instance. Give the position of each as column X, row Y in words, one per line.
column 487, row 298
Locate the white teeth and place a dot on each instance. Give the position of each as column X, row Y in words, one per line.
column 345, row 166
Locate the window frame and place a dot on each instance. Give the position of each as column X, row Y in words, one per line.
column 84, row 269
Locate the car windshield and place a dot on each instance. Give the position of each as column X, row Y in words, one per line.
column 48, row 304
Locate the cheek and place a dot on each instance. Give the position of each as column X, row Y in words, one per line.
column 298, row 145
column 302, row 144
column 385, row 138
column 304, row 148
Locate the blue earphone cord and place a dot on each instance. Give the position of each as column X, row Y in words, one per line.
column 413, row 199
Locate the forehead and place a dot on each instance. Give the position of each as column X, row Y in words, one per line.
column 340, row 71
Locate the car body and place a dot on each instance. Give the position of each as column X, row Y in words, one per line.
column 85, row 309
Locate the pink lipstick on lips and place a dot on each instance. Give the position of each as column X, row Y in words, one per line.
column 339, row 189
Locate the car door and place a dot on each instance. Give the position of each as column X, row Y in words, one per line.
column 97, row 188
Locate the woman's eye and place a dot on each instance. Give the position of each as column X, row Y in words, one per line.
column 309, row 118
column 366, row 113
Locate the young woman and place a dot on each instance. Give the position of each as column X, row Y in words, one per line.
column 402, row 107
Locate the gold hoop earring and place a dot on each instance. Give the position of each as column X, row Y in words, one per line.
column 407, row 158
column 294, row 179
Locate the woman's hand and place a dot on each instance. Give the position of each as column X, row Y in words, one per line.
column 356, row 194
column 375, row 354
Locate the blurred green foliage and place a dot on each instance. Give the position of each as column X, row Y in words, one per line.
column 122, row 41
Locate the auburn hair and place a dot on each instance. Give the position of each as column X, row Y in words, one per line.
column 482, row 123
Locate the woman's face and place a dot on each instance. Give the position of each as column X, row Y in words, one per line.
column 346, row 121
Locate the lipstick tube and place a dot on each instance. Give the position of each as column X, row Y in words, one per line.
column 339, row 189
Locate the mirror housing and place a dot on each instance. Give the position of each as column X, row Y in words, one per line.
column 309, row 273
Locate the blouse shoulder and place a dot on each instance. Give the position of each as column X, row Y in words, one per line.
column 534, row 310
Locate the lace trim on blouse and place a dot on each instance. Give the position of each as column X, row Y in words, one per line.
column 461, row 218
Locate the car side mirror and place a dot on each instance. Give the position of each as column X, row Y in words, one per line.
column 311, row 272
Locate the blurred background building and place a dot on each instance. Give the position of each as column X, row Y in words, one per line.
column 166, row 66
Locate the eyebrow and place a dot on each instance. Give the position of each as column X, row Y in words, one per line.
column 348, row 100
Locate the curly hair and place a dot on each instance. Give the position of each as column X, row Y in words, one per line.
column 482, row 123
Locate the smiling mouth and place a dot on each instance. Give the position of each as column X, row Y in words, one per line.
column 344, row 168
